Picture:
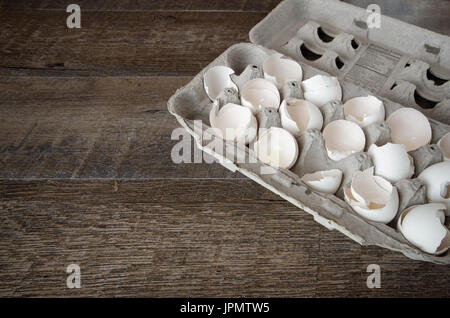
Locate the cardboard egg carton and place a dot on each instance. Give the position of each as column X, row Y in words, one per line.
column 295, row 23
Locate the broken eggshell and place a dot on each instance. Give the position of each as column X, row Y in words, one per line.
column 364, row 110
column 299, row 115
column 444, row 145
column 372, row 197
column 277, row 148
column 410, row 128
column 234, row 122
column 258, row 93
column 216, row 79
column 342, row 138
column 279, row 70
column 321, row 89
column 392, row 162
column 423, row 226
column 324, row 181
column 437, row 181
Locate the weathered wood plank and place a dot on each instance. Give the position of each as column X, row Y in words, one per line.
column 413, row 8
column 98, row 127
column 146, row 5
column 186, row 238
column 119, row 43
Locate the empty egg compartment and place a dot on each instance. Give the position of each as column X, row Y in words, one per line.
column 191, row 104
column 416, row 86
column 322, row 58
column 423, row 76
column 325, row 49
column 410, row 95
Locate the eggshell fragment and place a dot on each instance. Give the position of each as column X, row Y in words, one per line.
column 364, row 111
column 277, row 148
column 372, row 197
column 299, row 115
column 258, row 93
column 280, row 70
column 324, row 181
column 409, row 127
column 392, row 162
column 444, row 145
column 423, row 226
column 216, row 79
column 321, row 89
column 342, row 138
column 437, row 180
column 234, row 122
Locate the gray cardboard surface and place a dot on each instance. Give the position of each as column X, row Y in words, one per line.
column 399, row 61
column 276, row 31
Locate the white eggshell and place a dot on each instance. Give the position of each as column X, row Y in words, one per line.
column 299, row 115
column 364, row 110
column 423, row 226
column 342, row 138
column 258, row 93
column 437, row 180
column 324, row 181
column 234, row 122
column 410, row 128
column 216, row 79
column 277, row 148
column 321, row 89
column 279, row 70
column 372, row 197
column 392, row 162
column 444, row 145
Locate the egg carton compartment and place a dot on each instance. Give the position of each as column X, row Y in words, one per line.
column 420, row 74
column 416, row 86
column 323, row 58
column 191, row 106
column 417, row 97
column 323, row 46
column 344, row 44
column 319, row 33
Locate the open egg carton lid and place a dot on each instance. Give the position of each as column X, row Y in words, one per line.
column 369, row 62
column 399, row 61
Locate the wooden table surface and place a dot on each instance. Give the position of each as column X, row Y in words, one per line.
column 86, row 175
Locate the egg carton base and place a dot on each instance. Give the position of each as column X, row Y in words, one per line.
column 191, row 103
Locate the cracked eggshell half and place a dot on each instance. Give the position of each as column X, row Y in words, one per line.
column 343, row 138
column 277, row 148
column 279, row 70
column 372, row 197
column 321, row 89
column 364, row 110
column 234, row 122
column 258, row 93
column 410, row 128
column 437, row 180
column 392, row 162
column 444, row 145
column 324, row 181
column 299, row 115
column 216, row 79
column 423, row 226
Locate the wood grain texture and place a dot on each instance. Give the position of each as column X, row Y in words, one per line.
column 86, row 175
column 101, row 127
column 145, row 5
column 120, row 43
column 177, row 238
